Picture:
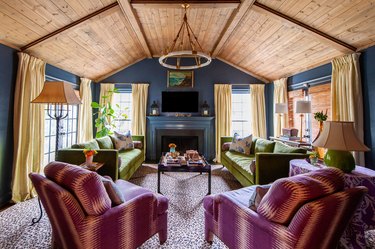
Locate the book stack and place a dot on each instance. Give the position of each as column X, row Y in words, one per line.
column 198, row 162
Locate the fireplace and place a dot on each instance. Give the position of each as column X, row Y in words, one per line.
column 186, row 132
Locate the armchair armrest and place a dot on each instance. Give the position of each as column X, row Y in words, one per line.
column 107, row 156
column 272, row 166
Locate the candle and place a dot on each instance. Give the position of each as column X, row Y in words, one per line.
column 153, row 112
column 205, row 112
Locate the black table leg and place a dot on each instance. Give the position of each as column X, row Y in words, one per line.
column 36, row 220
column 159, row 181
column 209, row 182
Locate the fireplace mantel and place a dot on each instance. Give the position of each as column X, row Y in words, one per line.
column 159, row 125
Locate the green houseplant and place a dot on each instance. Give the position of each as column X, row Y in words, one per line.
column 106, row 114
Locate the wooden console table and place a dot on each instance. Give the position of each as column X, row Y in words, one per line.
column 364, row 217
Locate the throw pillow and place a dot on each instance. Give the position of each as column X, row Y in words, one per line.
column 92, row 144
column 283, row 148
column 258, row 194
column 105, row 142
column 241, row 145
column 264, row 145
column 138, row 144
column 123, row 141
column 113, row 191
column 226, row 146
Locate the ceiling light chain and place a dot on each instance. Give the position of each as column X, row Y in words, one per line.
column 192, row 53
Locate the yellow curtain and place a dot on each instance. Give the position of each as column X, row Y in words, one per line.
column 258, row 110
column 84, row 132
column 280, row 95
column 104, row 89
column 139, row 101
column 28, row 126
column 346, row 95
column 223, row 111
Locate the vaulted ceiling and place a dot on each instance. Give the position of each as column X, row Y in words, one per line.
column 268, row 39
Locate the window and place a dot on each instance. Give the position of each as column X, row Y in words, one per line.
column 68, row 132
column 241, row 112
column 124, row 101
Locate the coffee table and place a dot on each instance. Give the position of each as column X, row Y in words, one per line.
column 185, row 168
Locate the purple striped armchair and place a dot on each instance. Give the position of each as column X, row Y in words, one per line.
column 82, row 214
column 304, row 211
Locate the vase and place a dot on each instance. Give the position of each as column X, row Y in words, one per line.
column 89, row 160
column 172, row 149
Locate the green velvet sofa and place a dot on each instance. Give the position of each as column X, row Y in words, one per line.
column 117, row 164
column 271, row 160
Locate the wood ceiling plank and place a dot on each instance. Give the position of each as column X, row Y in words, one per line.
column 206, row 4
column 339, row 45
column 67, row 27
column 134, row 21
column 263, row 79
column 231, row 25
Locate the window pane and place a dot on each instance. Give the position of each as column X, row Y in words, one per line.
column 124, row 102
column 241, row 113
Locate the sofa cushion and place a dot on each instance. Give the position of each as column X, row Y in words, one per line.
column 242, row 145
column 257, row 196
column 264, row 145
column 283, row 148
column 123, row 141
column 92, row 144
column 85, row 185
column 242, row 163
column 128, row 158
column 105, row 142
column 287, row 195
column 113, row 191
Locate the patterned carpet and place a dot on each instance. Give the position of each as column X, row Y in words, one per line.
column 185, row 214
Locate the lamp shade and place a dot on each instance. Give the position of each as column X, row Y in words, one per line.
column 57, row 92
column 303, row 106
column 338, row 135
column 281, row 108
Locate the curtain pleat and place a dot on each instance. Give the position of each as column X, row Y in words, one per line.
column 28, row 126
column 139, row 102
column 258, row 110
column 346, row 95
column 223, row 112
column 85, row 131
column 280, row 95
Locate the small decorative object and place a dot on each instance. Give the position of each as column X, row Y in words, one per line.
column 180, row 78
column 154, row 109
column 320, row 117
column 205, row 109
column 340, row 139
column 89, row 154
column 172, row 147
column 314, row 157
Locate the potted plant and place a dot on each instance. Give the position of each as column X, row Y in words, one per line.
column 314, row 156
column 89, row 154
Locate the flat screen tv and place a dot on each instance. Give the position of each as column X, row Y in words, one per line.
column 180, row 102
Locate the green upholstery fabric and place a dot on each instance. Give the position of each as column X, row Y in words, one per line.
column 269, row 166
column 242, row 163
column 130, row 160
column 252, row 150
column 92, row 144
column 283, row 148
column 105, row 142
column 264, row 145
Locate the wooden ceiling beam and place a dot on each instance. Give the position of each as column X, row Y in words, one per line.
column 129, row 13
column 321, row 36
column 194, row 4
column 265, row 80
column 231, row 25
column 71, row 25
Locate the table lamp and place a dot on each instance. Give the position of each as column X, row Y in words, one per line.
column 340, row 139
column 281, row 108
column 302, row 107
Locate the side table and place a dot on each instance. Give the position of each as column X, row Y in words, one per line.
column 364, row 217
column 94, row 167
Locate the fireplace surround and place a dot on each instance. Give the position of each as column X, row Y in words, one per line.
column 182, row 129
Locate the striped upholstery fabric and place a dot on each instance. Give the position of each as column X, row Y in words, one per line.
column 84, row 184
column 297, row 191
column 317, row 222
column 127, row 225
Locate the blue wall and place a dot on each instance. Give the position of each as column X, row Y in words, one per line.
column 8, row 74
column 8, row 70
column 150, row 71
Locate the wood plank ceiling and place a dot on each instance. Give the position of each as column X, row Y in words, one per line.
column 268, row 39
